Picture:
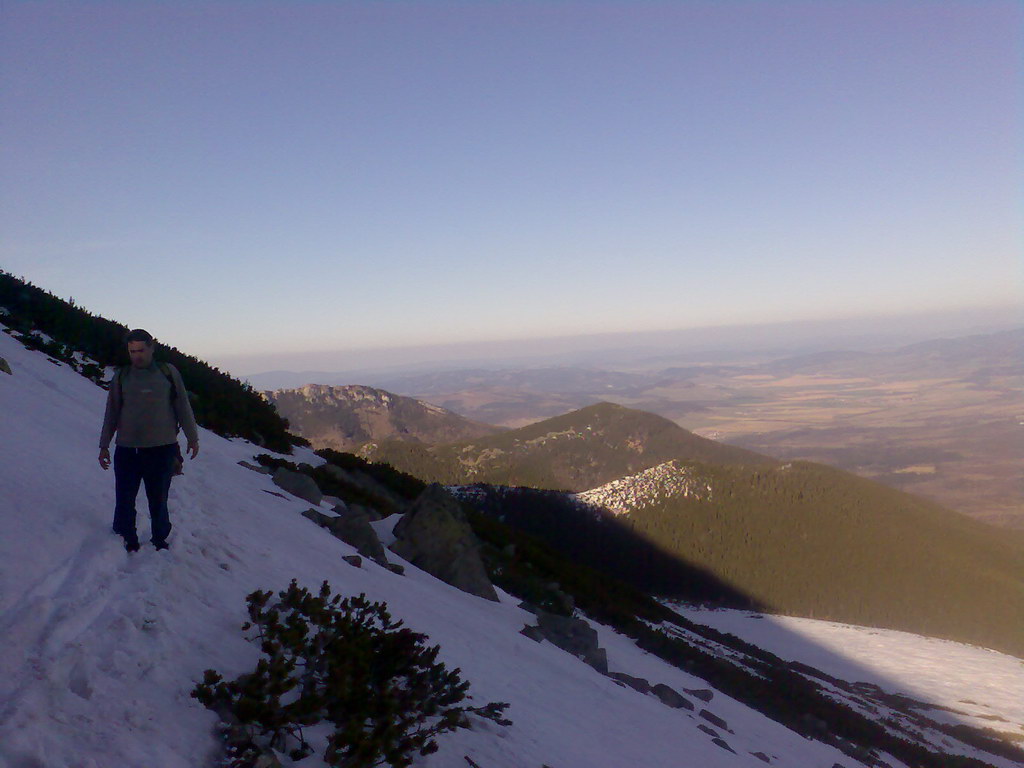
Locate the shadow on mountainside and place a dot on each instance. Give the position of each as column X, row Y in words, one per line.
column 809, row 687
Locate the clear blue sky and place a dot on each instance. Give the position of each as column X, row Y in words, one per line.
column 259, row 177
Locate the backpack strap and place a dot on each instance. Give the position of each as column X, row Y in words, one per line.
column 166, row 371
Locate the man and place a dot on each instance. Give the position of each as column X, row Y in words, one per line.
column 146, row 404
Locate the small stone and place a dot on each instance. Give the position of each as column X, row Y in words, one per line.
column 700, row 693
column 709, row 731
column 355, row 560
column 765, row 759
column 671, row 698
column 636, row 683
column 396, row 568
column 724, row 745
column 714, row 719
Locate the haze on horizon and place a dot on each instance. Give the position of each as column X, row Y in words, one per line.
column 282, row 179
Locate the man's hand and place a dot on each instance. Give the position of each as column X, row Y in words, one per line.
column 193, row 449
column 105, row 458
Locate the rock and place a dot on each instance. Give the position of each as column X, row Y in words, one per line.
column 709, row 731
column 765, row 759
column 298, row 484
column 434, row 535
column 700, row 693
column 671, row 698
column 255, row 467
column 357, row 531
column 534, row 633
column 565, row 602
column 352, row 529
column 574, row 636
column 598, row 659
column 636, row 683
column 368, row 512
column 570, row 634
column 324, row 521
column 355, row 560
column 724, row 745
column 714, row 719
column 5, row 367
column 530, row 607
column 396, row 568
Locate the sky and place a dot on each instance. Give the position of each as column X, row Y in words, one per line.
column 270, row 177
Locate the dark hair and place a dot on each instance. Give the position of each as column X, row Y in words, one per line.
column 139, row 335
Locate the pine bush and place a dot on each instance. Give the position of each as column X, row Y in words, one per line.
column 345, row 661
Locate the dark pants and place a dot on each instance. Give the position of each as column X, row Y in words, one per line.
column 154, row 467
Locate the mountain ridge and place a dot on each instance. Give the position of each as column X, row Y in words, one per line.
column 573, row 452
column 347, row 416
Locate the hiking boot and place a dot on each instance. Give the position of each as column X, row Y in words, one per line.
column 131, row 545
column 161, row 545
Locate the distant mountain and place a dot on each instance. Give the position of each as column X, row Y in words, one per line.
column 574, row 452
column 966, row 357
column 349, row 416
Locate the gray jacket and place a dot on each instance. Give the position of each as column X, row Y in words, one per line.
column 142, row 414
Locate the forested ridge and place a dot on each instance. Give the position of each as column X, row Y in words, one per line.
column 572, row 452
column 801, row 539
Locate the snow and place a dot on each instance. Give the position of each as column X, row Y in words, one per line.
column 983, row 687
column 101, row 649
column 668, row 480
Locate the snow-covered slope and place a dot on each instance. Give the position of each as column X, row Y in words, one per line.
column 967, row 684
column 101, row 649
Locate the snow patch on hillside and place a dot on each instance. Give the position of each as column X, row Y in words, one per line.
column 671, row 479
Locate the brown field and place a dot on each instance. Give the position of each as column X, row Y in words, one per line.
column 946, row 439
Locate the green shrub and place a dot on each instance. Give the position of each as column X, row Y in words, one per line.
column 347, row 662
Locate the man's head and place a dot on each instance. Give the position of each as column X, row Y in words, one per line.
column 140, row 348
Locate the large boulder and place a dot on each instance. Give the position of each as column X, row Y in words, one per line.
column 298, row 484
column 435, row 536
